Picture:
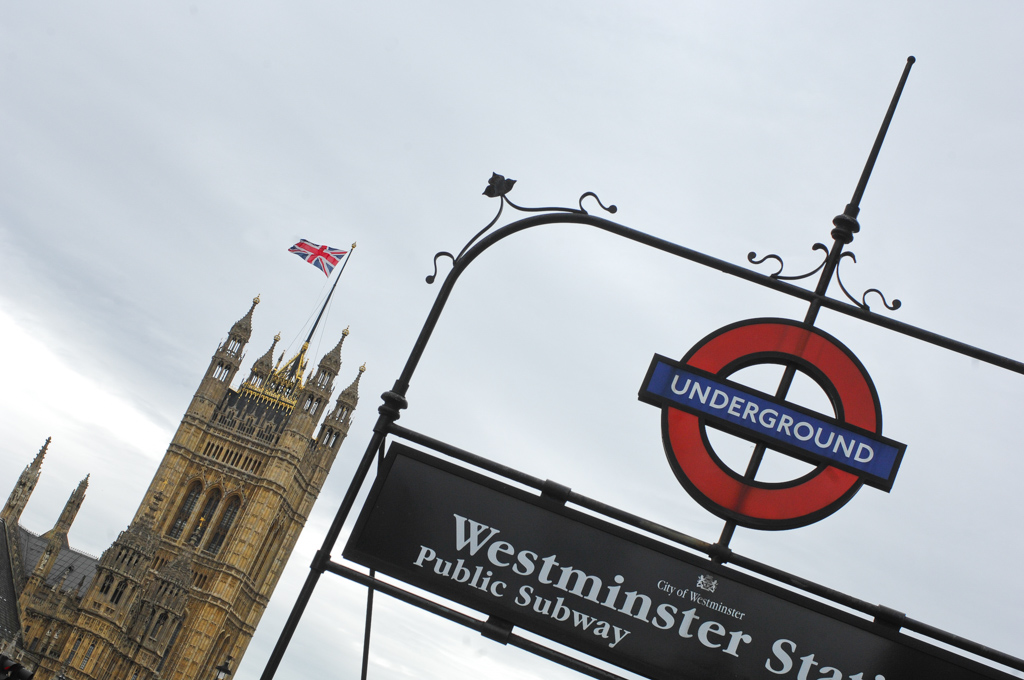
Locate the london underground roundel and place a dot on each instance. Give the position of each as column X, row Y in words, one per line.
column 847, row 448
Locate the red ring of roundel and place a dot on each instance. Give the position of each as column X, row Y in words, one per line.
column 757, row 504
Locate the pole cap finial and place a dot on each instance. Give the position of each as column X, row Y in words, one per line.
column 846, row 224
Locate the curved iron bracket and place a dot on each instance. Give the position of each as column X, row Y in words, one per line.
column 752, row 259
column 863, row 302
column 498, row 187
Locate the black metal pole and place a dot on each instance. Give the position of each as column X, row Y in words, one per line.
column 328, row 299
column 368, row 624
column 845, row 226
column 858, row 193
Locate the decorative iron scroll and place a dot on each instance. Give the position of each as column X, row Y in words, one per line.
column 752, row 259
column 498, row 186
column 862, row 303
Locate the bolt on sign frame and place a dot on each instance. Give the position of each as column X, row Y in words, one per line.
column 881, row 628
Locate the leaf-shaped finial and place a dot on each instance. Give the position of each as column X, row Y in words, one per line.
column 498, row 185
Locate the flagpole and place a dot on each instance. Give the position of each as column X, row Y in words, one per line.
column 336, row 279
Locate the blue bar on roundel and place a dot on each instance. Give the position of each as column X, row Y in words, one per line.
column 757, row 416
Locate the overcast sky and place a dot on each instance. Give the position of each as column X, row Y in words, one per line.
column 157, row 160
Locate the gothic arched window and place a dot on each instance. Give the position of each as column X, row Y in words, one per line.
column 170, row 646
column 212, row 501
column 118, row 592
column 74, row 648
column 226, row 518
column 159, row 624
column 187, row 506
column 85, row 659
column 107, row 582
column 264, row 557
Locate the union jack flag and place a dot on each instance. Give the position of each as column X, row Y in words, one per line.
column 324, row 258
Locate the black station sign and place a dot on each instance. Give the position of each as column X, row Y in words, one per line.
column 627, row 599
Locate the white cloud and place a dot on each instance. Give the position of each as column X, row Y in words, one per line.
column 45, row 390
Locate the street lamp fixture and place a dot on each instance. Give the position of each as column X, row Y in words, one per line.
column 224, row 670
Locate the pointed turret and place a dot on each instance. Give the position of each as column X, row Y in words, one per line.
column 312, row 400
column 223, row 366
column 37, row 462
column 335, row 426
column 263, row 366
column 237, row 339
column 68, row 514
column 242, row 330
column 57, row 537
column 328, row 369
column 16, row 502
column 350, row 395
column 332, row 360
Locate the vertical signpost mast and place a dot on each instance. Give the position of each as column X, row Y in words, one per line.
column 845, row 226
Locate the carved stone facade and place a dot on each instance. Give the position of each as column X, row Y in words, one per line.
column 184, row 586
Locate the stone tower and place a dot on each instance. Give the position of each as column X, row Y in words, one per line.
column 184, row 586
